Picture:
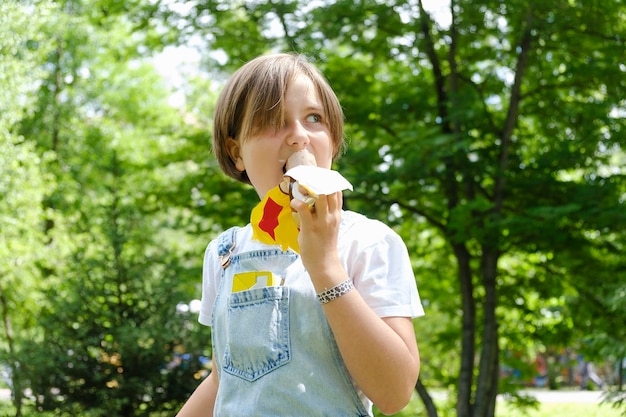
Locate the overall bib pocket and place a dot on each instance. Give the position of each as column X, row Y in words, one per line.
column 258, row 332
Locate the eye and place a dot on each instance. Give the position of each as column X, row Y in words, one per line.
column 314, row 118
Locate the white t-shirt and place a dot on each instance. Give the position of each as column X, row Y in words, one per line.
column 373, row 255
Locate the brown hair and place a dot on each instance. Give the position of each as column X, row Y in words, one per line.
column 253, row 99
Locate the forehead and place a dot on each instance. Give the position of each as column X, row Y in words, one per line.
column 296, row 92
column 302, row 90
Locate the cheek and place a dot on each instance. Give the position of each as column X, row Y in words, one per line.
column 325, row 158
column 249, row 155
column 324, row 163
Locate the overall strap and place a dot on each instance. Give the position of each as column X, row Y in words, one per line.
column 226, row 245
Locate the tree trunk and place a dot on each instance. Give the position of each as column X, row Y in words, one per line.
column 468, row 332
column 488, row 374
column 431, row 410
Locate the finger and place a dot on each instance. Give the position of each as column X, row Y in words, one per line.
column 335, row 201
column 329, row 203
column 321, row 204
column 298, row 205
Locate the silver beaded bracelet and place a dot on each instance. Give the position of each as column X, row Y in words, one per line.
column 329, row 294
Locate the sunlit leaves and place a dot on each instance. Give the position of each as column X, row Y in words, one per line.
column 127, row 193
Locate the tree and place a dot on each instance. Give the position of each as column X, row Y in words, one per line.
column 121, row 230
column 22, row 190
column 493, row 126
column 487, row 134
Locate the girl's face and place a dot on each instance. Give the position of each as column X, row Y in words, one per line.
column 263, row 155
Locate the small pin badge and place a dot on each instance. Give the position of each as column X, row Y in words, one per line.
column 225, row 259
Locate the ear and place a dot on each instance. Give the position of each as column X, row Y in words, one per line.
column 234, row 151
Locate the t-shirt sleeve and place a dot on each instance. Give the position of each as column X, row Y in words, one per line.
column 210, row 282
column 383, row 275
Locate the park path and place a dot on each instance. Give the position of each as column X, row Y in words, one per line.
column 566, row 396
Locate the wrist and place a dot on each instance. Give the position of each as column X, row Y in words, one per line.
column 323, row 266
column 326, row 275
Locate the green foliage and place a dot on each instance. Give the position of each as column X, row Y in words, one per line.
column 492, row 142
column 495, row 132
column 23, row 184
column 125, row 246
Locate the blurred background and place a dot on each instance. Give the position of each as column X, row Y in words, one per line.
column 490, row 134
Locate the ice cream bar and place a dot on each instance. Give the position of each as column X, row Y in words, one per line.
column 306, row 181
column 302, row 157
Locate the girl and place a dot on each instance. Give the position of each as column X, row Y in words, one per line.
column 329, row 331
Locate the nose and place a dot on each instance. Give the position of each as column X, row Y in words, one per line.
column 297, row 135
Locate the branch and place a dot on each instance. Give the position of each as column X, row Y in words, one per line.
column 449, row 183
column 440, row 85
column 411, row 209
column 512, row 113
column 483, row 101
column 436, row 223
column 429, row 404
column 291, row 41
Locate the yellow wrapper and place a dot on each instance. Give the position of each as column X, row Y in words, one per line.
column 272, row 222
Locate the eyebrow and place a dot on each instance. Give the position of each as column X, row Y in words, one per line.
column 319, row 109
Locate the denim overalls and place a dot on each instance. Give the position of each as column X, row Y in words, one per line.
column 274, row 350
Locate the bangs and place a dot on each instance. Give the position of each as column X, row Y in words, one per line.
column 266, row 99
column 267, row 112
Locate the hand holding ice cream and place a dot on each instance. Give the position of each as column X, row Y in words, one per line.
column 273, row 220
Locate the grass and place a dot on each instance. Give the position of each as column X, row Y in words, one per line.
column 506, row 409
column 560, row 410
column 416, row 409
